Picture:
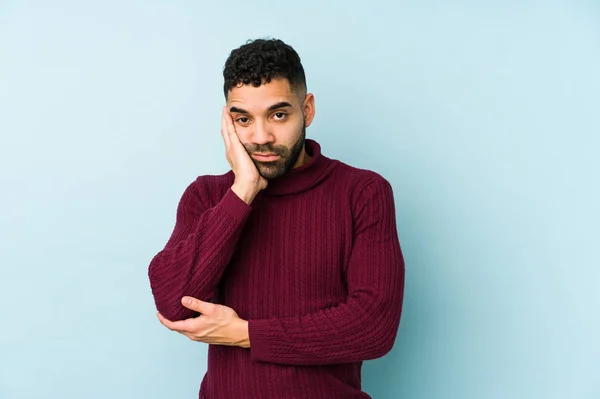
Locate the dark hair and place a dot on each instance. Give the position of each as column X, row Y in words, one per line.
column 262, row 60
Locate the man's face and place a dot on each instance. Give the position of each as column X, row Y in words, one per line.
column 271, row 120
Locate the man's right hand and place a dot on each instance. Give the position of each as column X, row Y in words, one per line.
column 248, row 182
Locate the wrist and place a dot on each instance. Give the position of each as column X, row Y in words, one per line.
column 245, row 191
column 243, row 338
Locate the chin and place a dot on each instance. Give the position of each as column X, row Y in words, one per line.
column 271, row 174
column 271, row 170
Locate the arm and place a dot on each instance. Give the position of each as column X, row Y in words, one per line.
column 204, row 239
column 198, row 251
column 365, row 325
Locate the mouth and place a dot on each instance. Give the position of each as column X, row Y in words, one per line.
column 265, row 157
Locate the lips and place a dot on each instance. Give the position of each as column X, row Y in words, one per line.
column 265, row 157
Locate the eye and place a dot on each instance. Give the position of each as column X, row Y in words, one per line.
column 279, row 115
column 243, row 120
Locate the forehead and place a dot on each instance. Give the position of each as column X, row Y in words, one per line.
column 257, row 99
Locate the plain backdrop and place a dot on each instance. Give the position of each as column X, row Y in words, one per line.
column 484, row 116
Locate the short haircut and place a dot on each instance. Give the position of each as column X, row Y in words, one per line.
column 258, row 61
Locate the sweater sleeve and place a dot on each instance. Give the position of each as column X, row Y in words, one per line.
column 365, row 325
column 198, row 251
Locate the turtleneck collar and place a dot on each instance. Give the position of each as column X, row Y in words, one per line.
column 303, row 177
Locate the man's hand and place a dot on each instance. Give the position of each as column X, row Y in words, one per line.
column 216, row 325
column 248, row 182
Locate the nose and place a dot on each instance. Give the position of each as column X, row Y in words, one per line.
column 262, row 133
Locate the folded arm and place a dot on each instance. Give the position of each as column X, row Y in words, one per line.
column 364, row 326
column 198, row 251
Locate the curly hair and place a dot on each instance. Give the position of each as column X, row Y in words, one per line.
column 258, row 61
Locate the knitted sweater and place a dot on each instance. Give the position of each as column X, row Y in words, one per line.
column 313, row 263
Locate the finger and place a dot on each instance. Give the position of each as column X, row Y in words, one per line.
column 179, row 326
column 236, row 147
column 229, row 123
column 224, row 128
column 164, row 321
column 197, row 305
column 233, row 137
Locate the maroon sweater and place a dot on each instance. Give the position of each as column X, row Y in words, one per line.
column 314, row 264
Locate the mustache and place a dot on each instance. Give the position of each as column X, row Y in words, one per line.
column 267, row 148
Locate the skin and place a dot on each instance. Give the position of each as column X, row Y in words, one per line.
column 249, row 118
column 217, row 324
column 270, row 118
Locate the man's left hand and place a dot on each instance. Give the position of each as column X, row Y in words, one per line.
column 216, row 325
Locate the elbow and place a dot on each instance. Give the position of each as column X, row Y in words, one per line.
column 384, row 329
column 380, row 344
column 175, row 312
column 168, row 292
column 167, row 297
column 168, row 302
column 383, row 347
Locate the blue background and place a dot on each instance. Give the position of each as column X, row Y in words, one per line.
column 484, row 116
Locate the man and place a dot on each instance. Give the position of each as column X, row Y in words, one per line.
column 289, row 265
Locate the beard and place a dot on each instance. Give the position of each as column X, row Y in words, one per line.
column 287, row 157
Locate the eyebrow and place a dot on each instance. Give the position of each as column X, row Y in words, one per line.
column 281, row 104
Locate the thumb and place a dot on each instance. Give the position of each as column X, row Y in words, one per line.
column 196, row 304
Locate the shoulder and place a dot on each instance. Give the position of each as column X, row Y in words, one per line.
column 358, row 180
column 367, row 192
column 207, row 190
column 213, row 184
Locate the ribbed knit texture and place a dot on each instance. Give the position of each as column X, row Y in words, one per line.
column 314, row 264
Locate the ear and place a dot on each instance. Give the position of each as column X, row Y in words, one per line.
column 308, row 107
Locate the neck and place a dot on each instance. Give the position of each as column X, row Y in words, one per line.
column 310, row 168
column 303, row 158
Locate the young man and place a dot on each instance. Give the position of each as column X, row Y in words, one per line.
column 289, row 265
